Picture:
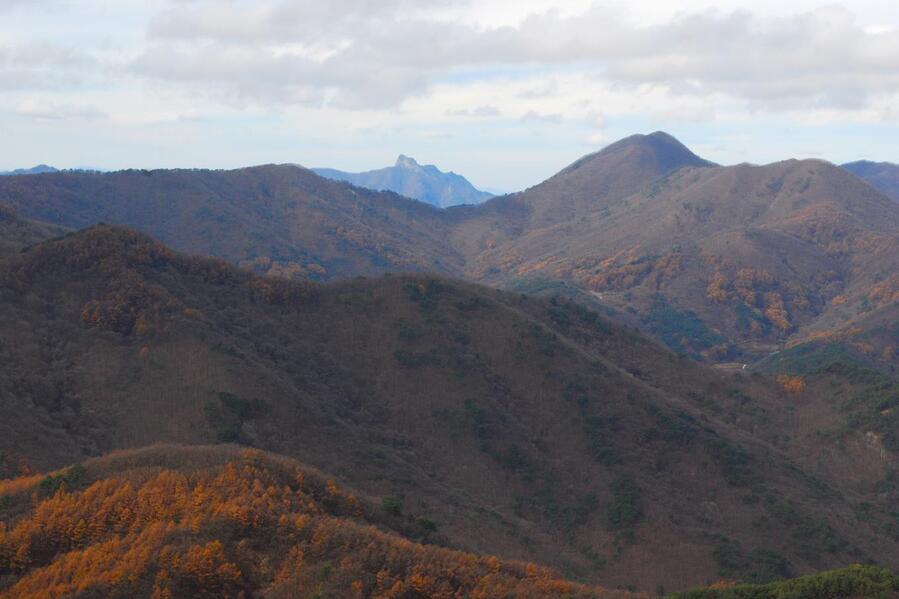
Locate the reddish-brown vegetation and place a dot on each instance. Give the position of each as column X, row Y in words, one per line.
column 393, row 383
column 241, row 525
column 777, row 248
column 791, row 384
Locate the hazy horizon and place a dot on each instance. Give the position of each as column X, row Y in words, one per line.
column 493, row 190
column 503, row 93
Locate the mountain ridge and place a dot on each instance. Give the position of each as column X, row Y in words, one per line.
column 164, row 521
column 407, row 177
column 35, row 170
column 594, row 448
column 270, row 218
column 643, row 228
column 644, row 225
column 882, row 175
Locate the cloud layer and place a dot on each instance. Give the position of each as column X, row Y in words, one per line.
column 378, row 54
column 321, row 78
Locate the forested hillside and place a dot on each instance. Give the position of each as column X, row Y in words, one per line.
column 529, row 428
column 723, row 263
column 221, row 522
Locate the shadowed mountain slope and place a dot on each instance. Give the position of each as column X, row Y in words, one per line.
column 884, row 176
column 527, row 428
column 272, row 219
column 854, row 581
column 17, row 232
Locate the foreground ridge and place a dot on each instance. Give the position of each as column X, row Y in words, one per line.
column 170, row 521
column 527, row 428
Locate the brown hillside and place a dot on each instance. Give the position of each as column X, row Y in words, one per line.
column 17, row 232
column 171, row 522
column 276, row 219
column 591, row 184
column 722, row 263
column 527, row 428
column 758, row 254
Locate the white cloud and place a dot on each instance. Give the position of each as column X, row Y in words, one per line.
column 297, row 72
column 42, row 65
column 532, row 116
column 481, row 111
column 37, row 109
column 378, row 54
column 596, row 139
column 367, row 54
column 9, row 5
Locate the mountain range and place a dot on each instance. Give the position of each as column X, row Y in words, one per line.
column 426, row 183
column 724, row 263
column 531, row 428
column 882, row 175
column 648, row 372
column 35, row 170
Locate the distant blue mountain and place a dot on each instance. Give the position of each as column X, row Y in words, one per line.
column 35, row 170
column 425, row 182
column 883, row 176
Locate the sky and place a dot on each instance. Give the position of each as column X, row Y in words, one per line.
column 503, row 92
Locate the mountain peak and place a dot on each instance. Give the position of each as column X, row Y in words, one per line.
column 35, row 170
column 609, row 175
column 404, row 161
column 666, row 149
column 407, row 177
column 639, row 157
column 662, row 135
column 883, row 176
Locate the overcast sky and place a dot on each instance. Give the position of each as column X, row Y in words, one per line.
column 503, row 92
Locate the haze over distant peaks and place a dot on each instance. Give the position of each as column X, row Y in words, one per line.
column 407, row 177
column 35, row 170
column 883, row 176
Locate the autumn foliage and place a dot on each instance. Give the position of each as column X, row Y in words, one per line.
column 791, row 384
column 253, row 524
column 757, row 288
column 611, row 275
column 127, row 302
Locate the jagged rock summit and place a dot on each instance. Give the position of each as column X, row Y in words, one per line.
column 407, row 177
